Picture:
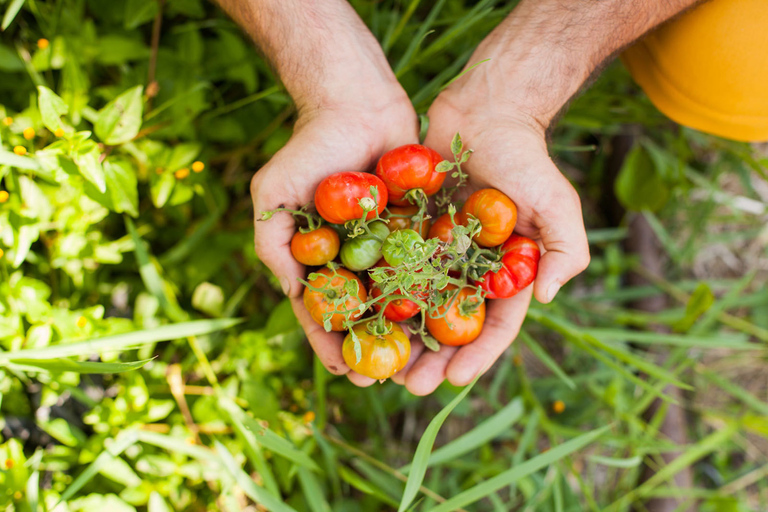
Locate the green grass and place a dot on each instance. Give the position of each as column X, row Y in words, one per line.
column 149, row 362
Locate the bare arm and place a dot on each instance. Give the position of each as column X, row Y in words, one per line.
column 321, row 50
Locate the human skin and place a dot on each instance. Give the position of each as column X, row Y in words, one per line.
column 351, row 110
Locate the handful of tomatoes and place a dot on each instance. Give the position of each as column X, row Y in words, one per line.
column 387, row 268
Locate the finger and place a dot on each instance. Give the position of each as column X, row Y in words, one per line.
column 359, row 380
column 327, row 345
column 429, row 371
column 566, row 250
column 502, row 323
column 417, row 347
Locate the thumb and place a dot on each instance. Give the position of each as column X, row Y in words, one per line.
column 566, row 251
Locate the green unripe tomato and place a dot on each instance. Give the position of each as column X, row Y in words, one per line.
column 362, row 252
column 402, row 245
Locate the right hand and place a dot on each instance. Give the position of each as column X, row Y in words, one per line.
column 350, row 137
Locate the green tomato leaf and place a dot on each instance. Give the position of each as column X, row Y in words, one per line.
column 639, row 185
column 120, row 120
column 51, row 107
column 456, row 145
column 444, row 166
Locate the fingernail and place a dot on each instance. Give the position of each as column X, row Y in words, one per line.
column 285, row 284
column 552, row 291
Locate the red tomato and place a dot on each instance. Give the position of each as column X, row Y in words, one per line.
column 462, row 323
column 497, row 215
column 441, row 228
column 382, row 355
column 409, row 167
column 318, row 302
column 397, row 310
column 337, row 197
column 315, row 248
column 396, row 221
column 520, row 263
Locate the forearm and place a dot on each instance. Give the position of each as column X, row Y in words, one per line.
column 546, row 49
column 321, row 49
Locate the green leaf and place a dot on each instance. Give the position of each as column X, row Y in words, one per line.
column 313, row 492
column 120, row 120
column 138, row 12
column 363, row 485
column 20, row 162
column 51, row 107
column 256, row 493
column 478, row 436
column 9, row 60
column 631, row 462
column 161, row 188
column 518, row 472
column 701, row 300
column 550, row 363
column 253, row 431
column 10, row 13
column 122, row 442
column 88, row 160
column 85, row 367
column 420, row 460
column 123, row 341
column 638, row 185
column 157, row 503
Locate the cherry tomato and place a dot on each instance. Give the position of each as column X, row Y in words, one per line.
column 399, row 218
column 462, row 323
column 319, row 303
column 520, row 263
column 402, row 245
column 441, row 228
column 398, row 309
column 337, row 197
column 315, row 248
column 409, row 167
column 497, row 215
column 382, row 355
column 363, row 251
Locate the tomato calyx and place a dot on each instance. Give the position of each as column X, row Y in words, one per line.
column 336, row 295
column 361, row 226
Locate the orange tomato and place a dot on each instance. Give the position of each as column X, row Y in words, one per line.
column 497, row 215
column 382, row 355
column 463, row 321
column 318, row 302
column 317, row 247
column 396, row 222
column 441, row 228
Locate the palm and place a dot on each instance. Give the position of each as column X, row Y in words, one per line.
column 326, row 144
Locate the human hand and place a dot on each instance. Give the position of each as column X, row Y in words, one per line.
column 324, row 142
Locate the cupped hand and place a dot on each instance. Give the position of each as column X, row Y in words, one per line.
column 510, row 154
column 325, row 141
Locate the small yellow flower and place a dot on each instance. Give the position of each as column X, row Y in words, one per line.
column 558, row 406
column 43, row 43
column 2, row 252
column 82, row 322
column 17, row 495
column 198, row 166
column 8, row 121
column 59, row 132
column 20, row 150
column 29, row 133
column 4, row 196
column 309, row 417
column 9, row 464
column 181, row 173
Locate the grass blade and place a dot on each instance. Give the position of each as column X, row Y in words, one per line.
column 729, row 341
column 514, row 474
column 256, row 493
column 407, row 57
column 84, row 367
column 550, row 363
column 256, row 432
column 313, row 493
column 11, row 12
column 123, row 341
column 478, row 436
column 421, row 457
